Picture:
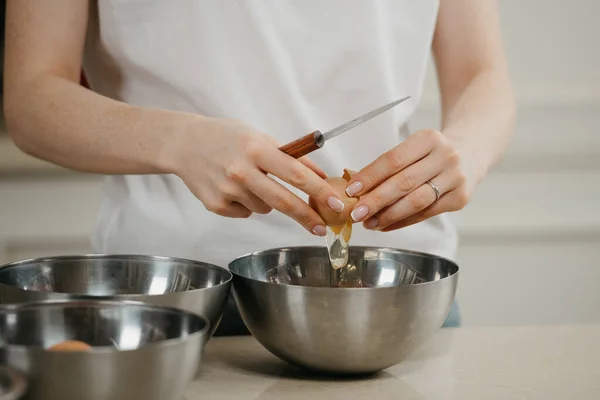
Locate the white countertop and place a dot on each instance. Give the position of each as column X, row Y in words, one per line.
column 503, row 363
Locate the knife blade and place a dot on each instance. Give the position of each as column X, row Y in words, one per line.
column 315, row 140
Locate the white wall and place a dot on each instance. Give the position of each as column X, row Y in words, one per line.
column 530, row 246
column 530, row 250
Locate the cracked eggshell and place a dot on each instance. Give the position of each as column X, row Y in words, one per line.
column 331, row 217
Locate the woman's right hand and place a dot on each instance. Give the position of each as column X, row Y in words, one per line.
column 225, row 164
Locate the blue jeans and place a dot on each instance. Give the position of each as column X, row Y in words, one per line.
column 453, row 318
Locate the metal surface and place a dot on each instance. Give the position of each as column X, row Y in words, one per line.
column 12, row 384
column 360, row 319
column 191, row 285
column 435, row 189
column 160, row 349
column 360, row 120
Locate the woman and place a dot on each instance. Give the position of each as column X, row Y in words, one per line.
column 191, row 99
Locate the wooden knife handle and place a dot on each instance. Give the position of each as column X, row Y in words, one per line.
column 304, row 145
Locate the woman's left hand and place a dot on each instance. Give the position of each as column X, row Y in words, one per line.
column 398, row 189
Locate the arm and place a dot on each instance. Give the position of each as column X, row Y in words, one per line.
column 50, row 116
column 478, row 108
column 477, row 123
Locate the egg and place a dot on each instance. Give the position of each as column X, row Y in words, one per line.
column 330, row 217
column 70, row 345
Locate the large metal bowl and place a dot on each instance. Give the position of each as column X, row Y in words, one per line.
column 360, row 319
column 139, row 351
column 12, row 384
column 172, row 282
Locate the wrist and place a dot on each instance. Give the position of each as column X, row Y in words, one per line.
column 178, row 132
column 473, row 156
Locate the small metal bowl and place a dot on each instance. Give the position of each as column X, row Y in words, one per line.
column 165, row 281
column 12, row 384
column 359, row 319
column 138, row 350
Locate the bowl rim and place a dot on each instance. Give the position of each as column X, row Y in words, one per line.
column 18, row 383
column 8, row 307
column 116, row 256
column 375, row 248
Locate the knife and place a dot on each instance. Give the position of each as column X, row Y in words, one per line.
column 315, row 140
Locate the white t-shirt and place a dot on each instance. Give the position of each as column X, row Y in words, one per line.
column 285, row 67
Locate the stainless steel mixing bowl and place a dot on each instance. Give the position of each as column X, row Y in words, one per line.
column 191, row 285
column 360, row 319
column 12, row 384
column 143, row 351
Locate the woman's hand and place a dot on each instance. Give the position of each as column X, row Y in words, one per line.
column 478, row 114
column 394, row 189
column 225, row 164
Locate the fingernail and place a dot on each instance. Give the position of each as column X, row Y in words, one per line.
column 359, row 213
column 371, row 223
column 335, row 204
column 354, row 189
column 320, row 230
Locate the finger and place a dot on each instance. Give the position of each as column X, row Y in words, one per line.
column 304, row 160
column 310, row 164
column 301, row 177
column 254, row 203
column 411, row 204
column 414, row 148
column 271, row 140
column 248, row 200
column 398, row 186
column 444, row 204
column 226, row 208
column 416, row 201
column 286, row 202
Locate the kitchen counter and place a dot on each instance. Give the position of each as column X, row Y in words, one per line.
column 486, row 363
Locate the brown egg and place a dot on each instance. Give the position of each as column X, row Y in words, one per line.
column 333, row 218
column 70, row 345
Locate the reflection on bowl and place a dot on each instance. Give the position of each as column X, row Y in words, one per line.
column 191, row 285
column 360, row 319
column 12, row 384
column 370, row 272
column 158, row 348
